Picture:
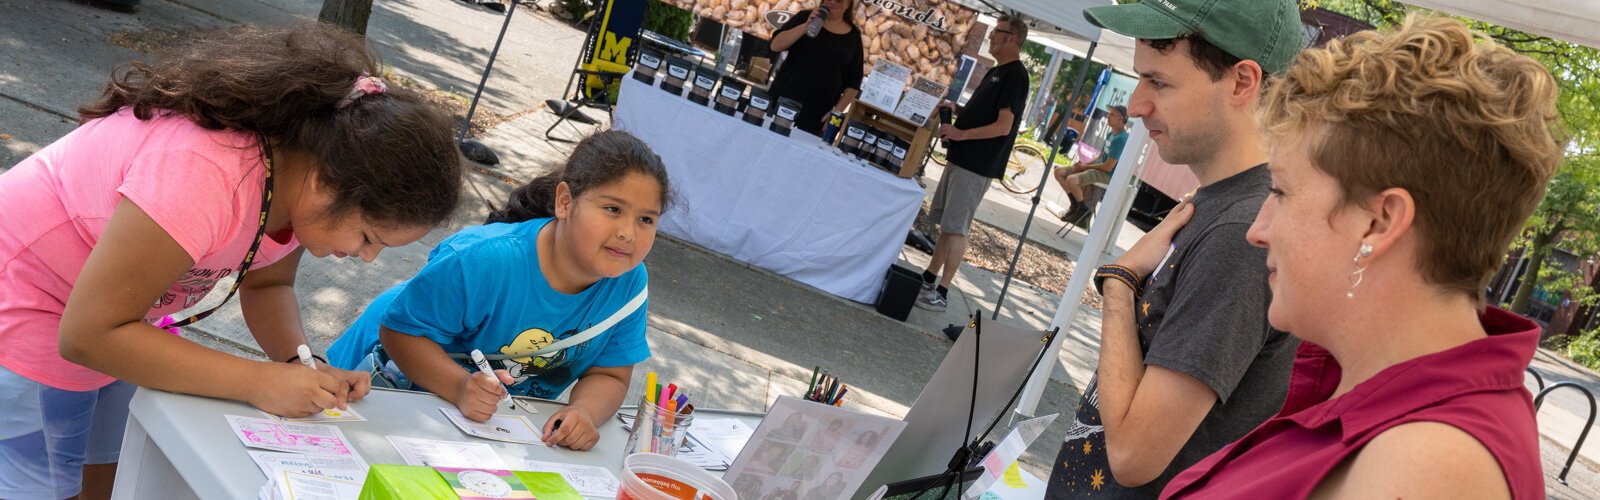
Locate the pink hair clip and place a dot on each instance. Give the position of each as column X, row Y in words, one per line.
column 365, row 85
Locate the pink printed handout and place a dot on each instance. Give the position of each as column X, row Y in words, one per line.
column 291, row 437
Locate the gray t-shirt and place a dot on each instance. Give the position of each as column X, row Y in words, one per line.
column 1202, row 313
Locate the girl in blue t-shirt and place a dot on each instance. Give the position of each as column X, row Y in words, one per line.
column 552, row 290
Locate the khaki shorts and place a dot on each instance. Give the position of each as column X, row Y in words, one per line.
column 955, row 200
column 1091, row 177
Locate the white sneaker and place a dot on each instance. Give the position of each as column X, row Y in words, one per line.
column 928, row 287
column 932, row 301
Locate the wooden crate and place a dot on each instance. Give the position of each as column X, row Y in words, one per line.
column 920, row 138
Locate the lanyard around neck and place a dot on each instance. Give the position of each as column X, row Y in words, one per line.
column 250, row 256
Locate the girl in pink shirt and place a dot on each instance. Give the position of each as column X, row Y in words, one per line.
column 230, row 157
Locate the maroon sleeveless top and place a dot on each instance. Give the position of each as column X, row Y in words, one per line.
column 1476, row 387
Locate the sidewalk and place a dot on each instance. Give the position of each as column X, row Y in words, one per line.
column 743, row 336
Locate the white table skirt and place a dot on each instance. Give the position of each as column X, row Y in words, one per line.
column 791, row 205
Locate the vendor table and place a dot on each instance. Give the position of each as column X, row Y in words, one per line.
column 792, row 205
column 179, row 446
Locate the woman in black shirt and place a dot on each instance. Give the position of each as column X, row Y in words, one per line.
column 821, row 73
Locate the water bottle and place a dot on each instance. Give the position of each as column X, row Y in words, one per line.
column 945, row 120
column 816, row 24
column 830, row 129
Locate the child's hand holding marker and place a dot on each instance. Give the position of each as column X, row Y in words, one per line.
column 342, row 396
column 298, row 393
column 482, row 392
column 572, row 427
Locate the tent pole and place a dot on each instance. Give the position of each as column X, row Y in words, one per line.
column 1049, row 164
column 467, row 123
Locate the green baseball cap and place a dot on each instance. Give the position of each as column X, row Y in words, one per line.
column 1265, row 31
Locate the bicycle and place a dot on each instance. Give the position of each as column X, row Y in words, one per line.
column 1024, row 158
column 1022, row 168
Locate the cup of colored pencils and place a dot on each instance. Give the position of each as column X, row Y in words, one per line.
column 825, row 388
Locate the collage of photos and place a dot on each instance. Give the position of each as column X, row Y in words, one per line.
column 809, row 451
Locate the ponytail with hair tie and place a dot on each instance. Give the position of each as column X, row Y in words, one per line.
column 365, row 85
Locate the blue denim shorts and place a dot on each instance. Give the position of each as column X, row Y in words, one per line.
column 384, row 372
column 47, row 435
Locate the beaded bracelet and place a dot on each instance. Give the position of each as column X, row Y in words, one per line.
column 1120, row 273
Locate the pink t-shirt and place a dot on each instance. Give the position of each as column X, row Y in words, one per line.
column 202, row 186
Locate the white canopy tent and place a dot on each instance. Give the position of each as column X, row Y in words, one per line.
column 1062, row 16
column 1575, row 21
column 1112, row 50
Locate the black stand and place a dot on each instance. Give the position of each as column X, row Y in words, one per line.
column 471, row 148
column 960, row 467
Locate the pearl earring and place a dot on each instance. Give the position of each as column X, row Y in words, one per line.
column 1355, row 277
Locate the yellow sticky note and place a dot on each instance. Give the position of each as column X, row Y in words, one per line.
column 1013, row 477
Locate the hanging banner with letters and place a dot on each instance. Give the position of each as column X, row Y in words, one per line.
column 924, row 35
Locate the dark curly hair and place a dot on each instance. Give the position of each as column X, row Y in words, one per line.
column 1208, row 57
column 599, row 159
column 387, row 157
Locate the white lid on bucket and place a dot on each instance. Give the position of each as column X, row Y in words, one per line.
column 651, row 476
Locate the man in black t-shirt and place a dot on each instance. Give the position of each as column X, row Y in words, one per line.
column 978, row 144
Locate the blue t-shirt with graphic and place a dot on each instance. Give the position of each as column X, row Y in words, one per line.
column 482, row 289
column 1114, row 147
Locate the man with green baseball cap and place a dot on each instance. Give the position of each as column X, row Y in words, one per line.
column 1187, row 362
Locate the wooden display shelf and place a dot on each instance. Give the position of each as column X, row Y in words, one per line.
column 919, row 137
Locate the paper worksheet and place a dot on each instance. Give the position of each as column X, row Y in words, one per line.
column 1005, row 454
column 590, row 481
column 273, row 435
column 524, row 404
column 508, row 428
column 332, row 466
column 726, row 435
column 329, row 415
column 431, row 453
column 291, row 485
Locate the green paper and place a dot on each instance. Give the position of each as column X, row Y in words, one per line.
column 405, row 482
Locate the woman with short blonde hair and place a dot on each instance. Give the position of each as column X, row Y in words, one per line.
column 1404, row 162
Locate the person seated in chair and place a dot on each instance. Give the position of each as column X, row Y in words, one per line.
column 1074, row 178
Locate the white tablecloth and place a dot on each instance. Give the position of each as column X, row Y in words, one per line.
column 791, row 205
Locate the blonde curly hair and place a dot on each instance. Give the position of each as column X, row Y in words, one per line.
column 1467, row 127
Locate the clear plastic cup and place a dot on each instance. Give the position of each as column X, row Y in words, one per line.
column 655, row 430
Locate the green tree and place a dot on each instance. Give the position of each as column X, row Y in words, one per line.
column 1036, row 58
column 1566, row 217
column 668, row 20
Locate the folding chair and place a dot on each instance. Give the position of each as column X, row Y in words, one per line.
column 1084, row 153
column 608, row 54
